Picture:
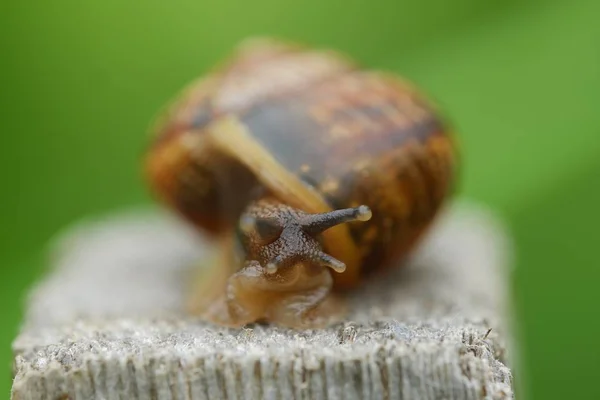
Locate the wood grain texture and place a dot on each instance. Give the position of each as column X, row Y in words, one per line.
column 107, row 322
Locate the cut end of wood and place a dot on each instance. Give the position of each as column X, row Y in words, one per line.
column 109, row 321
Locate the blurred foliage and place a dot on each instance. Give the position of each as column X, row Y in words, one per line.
column 82, row 80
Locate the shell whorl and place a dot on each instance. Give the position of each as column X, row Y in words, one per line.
column 346, row 135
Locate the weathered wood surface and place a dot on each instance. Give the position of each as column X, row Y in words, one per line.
column 107, row 322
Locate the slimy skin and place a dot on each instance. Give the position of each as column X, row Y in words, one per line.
column 284, row 278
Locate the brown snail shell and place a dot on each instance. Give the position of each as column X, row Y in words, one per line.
column 316, row 132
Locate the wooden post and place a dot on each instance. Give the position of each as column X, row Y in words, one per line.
column 107, row 322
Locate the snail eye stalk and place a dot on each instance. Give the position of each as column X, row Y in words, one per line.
column 314, row 224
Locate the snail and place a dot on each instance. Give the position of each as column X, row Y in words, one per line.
column 311, row 173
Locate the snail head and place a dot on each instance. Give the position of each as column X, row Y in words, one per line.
column 278, row 236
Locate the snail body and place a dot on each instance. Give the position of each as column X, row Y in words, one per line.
column 311, row 173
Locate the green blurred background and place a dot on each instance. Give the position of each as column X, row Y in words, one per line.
column 82, row 80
